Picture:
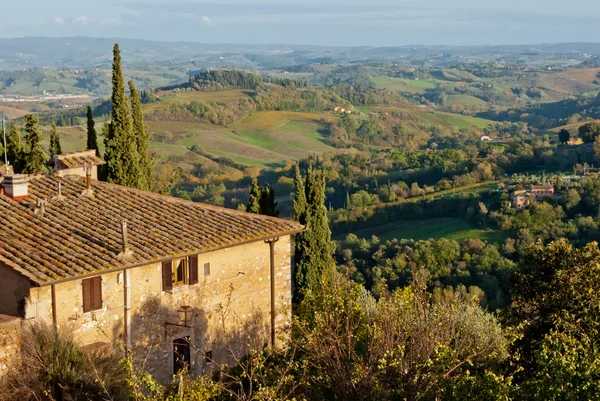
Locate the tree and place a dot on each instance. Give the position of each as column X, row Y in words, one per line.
column 589, row 132
column 564, row 136
column 34, row 155
column 268, row 204
column 122, row 159
column 14, row 149
column 254, row 198
column 92, row 137
column 141, row 135
column 54, row 142
column 403, row 347
column 560, row 347
column 313, row 247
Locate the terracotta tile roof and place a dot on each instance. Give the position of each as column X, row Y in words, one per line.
column 78, row 159
column 79, row 235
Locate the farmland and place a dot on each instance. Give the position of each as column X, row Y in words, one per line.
column 450, row 228
column 262, row 139
column 411, row 86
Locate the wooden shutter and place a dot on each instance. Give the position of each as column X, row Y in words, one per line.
column 193, row 269
column 97, row 293
column 87, row 295
column 167, row 275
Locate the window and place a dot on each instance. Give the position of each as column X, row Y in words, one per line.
column 92, row 293
column 207, row 269
column 180, row 271
column 182, row 357
column 208, row 357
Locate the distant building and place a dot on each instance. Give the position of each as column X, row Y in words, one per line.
column 523, row 198
column 575, row 141
column 485, row 138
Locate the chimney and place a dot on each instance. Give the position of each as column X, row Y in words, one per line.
column 88, row 181
column 126, row 253
column 16, row 186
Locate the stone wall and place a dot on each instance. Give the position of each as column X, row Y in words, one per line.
column 231, row 307
column 10, row 335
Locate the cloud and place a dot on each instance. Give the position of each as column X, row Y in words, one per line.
column 83, row 20
column 207, row 21
column 59, row 21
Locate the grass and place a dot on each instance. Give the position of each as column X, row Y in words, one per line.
column 404, row 85
column 456, row 120
column 263, row 139
column 450, row 228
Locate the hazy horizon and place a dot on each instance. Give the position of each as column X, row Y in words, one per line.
column 336, row 23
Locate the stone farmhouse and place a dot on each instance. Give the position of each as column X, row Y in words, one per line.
column 180, row 284
column 523, row 198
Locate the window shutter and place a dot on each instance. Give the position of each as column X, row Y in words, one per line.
column 96, row 292
column 87, row 295
column 194, row 269
column 167, row 274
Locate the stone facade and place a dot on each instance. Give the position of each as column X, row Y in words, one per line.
column 10, row 334
column 231, row 307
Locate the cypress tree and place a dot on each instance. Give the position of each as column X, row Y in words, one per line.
column 268, row 205
column 14, row 148
column 313, row 248
column 141, row 137
column 122, row 160
column 35, row 157
column 92, row 137
column 54, row 142
column 254, row 198
column 300, row 208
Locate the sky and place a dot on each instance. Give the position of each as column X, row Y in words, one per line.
column 334, row 22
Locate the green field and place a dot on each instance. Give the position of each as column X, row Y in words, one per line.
column 404, row 85
column 450, row 228
column 456, row 120
column 262, row 139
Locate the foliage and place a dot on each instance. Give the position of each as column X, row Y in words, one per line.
column 15, row 148
column 588, row 132
column 54, row 148
column 313, row 247
column 54, row 367
column 402, row 347
column 92, row 137
column 34, row 156
column 254, row 198
column 564, row 136
column 560, row 347
column 140, row 134
column 122, row 159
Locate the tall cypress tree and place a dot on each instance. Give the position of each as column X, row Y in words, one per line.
column 314, row 249
column 35, row 157
column 141, row 137
column 121, row 155
column 92, row 137
column 14, row 148
column 254, row 198
column 54, row 143
column 268, row 205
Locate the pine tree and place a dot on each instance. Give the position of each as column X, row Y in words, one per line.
column 254, row 198
column 92, row 137
column 313, row 247
column 141, row 136
column 14, row 148
column 34, row 155
column 54, row 143
column 121, row 155
column 268, row 205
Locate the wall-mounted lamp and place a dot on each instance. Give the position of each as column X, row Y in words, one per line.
column 185, row 314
